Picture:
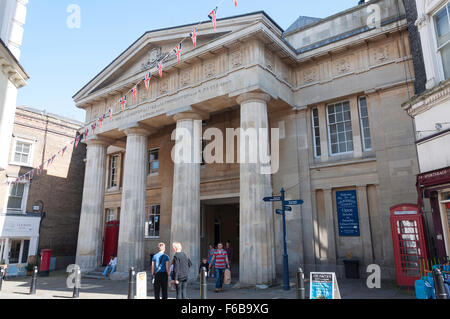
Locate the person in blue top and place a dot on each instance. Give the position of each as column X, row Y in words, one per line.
column 160, row 271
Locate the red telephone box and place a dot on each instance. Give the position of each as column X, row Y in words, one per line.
column 408, row 238
column 111, row 241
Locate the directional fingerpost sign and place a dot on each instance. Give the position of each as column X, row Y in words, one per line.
column 273, row 199
column 293, row 202
column 286, row 207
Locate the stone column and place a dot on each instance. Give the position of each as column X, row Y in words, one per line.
column 89, row 247
column 186, row 187
column 257, row 248
column 132, row 215
column 331, row 237
column 366, row 234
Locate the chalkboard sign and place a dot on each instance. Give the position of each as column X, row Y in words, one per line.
column 347, row 209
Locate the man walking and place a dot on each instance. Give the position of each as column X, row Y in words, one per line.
column 220, row 260
column 181, row 265
column 160, row 271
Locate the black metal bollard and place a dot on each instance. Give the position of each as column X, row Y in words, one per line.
column 300, row 284
column 439, row 284
column 33, row 281
column 203, row 283
column 131, row 283
column 76, row 287
column 1, row 277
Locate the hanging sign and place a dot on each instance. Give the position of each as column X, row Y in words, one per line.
column 323, row 286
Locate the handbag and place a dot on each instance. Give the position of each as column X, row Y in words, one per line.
column 227, row 277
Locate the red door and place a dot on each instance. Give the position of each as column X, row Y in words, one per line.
column 111, row 241
column 409, row 243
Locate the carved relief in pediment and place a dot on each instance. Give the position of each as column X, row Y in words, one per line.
column 154, row 54
column 236, row 59
column 381, row 54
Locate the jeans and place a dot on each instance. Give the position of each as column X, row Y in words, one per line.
column 219, row 277
column 181, row 289
column 161, row 284
column 109, row 268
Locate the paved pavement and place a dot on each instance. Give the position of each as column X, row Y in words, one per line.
column 54, row 287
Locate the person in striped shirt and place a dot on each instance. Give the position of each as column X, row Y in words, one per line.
column 220, row 261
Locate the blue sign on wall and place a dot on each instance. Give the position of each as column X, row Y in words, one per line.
column 347, row 209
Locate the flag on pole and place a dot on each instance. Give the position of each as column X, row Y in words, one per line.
column 134, row 91
column 147, row 80
column 193, row 36
column 177, row 51
column 160, row 68
column 235, row 3
column 212, row 16
column 123, row 102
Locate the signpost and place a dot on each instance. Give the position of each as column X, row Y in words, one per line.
column 285, row 208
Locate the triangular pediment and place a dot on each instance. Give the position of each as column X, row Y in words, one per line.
column 141, row 54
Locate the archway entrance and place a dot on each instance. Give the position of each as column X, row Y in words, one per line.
column 220, row 223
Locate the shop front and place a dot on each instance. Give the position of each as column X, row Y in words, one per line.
column 435, row 186
column 19, row 237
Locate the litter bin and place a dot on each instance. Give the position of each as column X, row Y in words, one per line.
column 45, row 262
column 351, row 269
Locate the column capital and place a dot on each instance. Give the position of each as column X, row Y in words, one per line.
column 138, row 129
column 251, row 97
column 98, row 140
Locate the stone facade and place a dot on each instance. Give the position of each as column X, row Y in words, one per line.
column 59, row 186
column 251, row 75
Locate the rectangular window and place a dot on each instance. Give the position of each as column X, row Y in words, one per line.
column 340, row 131
column 153, row 160
column 365, row 126
column 15, row 198
column 152, row 221
column 113, row 178
column 22, row 152
column 442, row 25
column 110, row 215
column 316, row 132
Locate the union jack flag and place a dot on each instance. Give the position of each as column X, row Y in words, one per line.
column 123, row 102
column 160, row 69
column 213, row 16
column 63, row 151
column 93, row 126
column 235, row 3
column 193, row 36
column 77, row 140
column 52, row 159
column 134, row 91
column 86, row 135
column 177, row 51
column 147, row 80
column 101, row 121
column 110, row 113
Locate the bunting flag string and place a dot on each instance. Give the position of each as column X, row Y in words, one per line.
column 123, row 100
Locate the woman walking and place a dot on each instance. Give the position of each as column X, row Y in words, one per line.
column 181, row 265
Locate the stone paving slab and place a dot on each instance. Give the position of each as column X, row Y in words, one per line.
column 54, row 287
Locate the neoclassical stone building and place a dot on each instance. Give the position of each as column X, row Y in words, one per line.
column 333, row 87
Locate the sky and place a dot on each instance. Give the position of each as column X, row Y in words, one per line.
column 61, row 60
